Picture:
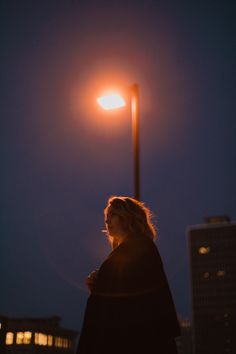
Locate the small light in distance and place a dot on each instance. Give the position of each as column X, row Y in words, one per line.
column 204, row 250
column 112, row 101
column 206, row 275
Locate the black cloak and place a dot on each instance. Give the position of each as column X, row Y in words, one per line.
column 130, row 310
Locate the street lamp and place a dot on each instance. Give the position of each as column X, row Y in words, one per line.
column 114, row 101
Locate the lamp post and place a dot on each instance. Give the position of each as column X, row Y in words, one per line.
column 114, row 101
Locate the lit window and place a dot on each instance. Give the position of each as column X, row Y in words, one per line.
column 58, row 342
column 36, row 338
column 19, row 338
column 27, row 337
column 9, row 338
column 206, row 275
column 204, row 250
column 50, row 340
column 65, row 343
column 40, row 338
column 220, row 273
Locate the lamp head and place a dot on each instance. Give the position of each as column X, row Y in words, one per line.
column 111, row 101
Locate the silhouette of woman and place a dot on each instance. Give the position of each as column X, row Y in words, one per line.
column 130, row 309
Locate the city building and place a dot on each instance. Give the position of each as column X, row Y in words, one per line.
column 184, row 342
column 35, row 335
column 212, row 248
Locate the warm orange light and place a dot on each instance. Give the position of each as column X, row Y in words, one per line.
column 40, row 338
column 204, row 250
column 27, row 337
column 19, row 338
column 111, row 101
column 50, row 340
column 9, row 338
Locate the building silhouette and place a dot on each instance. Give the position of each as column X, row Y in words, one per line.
column 184, row 341
column 212, row 248
column 35, row 335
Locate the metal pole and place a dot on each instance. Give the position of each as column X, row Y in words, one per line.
column 135, row 133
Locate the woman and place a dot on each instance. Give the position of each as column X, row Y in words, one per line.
column 130, row 309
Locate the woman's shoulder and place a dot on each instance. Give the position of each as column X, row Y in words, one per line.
column 134, row 250
column 141, row 243
column 141, row 248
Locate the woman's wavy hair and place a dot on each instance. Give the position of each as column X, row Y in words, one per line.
column 135, row 217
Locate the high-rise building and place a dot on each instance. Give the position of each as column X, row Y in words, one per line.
column 184, row 341
column 212, row 248
column 35, row 335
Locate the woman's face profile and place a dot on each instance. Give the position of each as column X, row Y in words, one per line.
column 113, row 223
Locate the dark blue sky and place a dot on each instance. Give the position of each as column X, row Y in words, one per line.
column 62, row 157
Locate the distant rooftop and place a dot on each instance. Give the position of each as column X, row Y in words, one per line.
column 214, row 221
column 217, row 219
column 48, row 323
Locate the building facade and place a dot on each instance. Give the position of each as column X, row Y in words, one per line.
column 35, row 335
column 212, row 248
column 184, row 342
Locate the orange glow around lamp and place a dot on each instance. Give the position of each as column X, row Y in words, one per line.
column 114, row 101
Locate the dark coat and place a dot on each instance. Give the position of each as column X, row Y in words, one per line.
column 131, row 309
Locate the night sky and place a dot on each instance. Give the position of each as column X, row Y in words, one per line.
column 62, row 156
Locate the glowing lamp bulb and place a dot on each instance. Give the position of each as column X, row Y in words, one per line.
column 112, row 101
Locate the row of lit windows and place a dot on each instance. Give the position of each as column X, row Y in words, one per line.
column 219, row 273
column 39, row 339
column 43, row 339
column 209, row 275
column 206, row 275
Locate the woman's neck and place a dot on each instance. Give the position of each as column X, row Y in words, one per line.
column 118, row 240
